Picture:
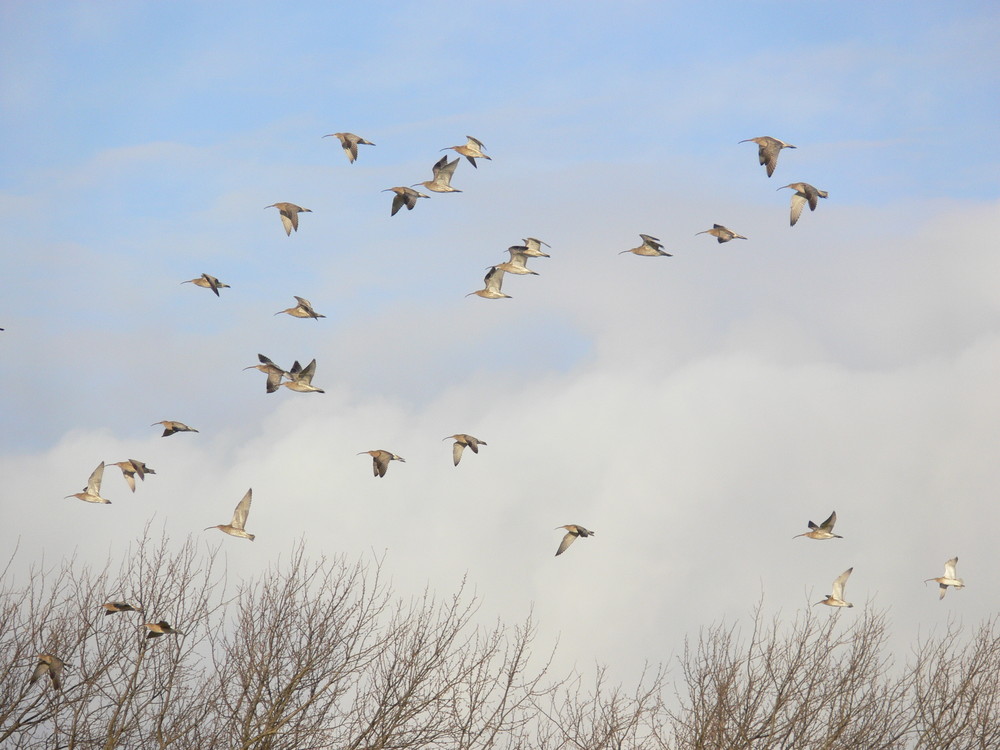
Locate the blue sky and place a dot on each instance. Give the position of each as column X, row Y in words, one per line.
column 694, row 410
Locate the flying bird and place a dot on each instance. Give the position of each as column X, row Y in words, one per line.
column 113, row 607
column 804, row 192
column 533, row 248
column 302, row 310
column 405, row 196
column 169, row 427
column 92, row 492
column 443, row 170
column 301, row 378
column 289, row 215
column 236, row 526
column 768, row 151
column 517, row 263
column 208, row 282
column 572, row 532
column 132, row 467
column 823, row 531
column 722, row 234
column 471, row 150
column 156, row 629
column 493, row 281
column 350, row 142
column 836, row 599
column 380, row 461
column 948, row 579
column 273, row 372
column 51, row 665
column 463, row 441
column 650, row 247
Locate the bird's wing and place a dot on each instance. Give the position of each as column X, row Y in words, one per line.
column 798, row 201
column 839, row 583
column 494, row 279
column 475, row 142
column 397, row 203
column 289, row 222
column 307, row 373
column 812, row 195
column 242, row 510
column 40, row 669
column 213, row 283
column 769, row 155
column 350, row 147
column 949, row 568
column 473, row 443
column 139, row 468
column 380, row 463
column 828, row 524
column 566, row 541
column 303, row 301
column 273, row 380
column 130, row 478
column 456, row 451
column 94, row 483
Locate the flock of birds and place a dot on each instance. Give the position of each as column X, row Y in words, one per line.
column 299, row 379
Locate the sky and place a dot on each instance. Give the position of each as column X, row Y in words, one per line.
column 695, row 411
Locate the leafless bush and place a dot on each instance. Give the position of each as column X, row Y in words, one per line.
column 320, row 654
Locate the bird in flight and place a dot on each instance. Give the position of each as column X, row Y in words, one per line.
column 380, row 461
column 804, row 193
column 463, row 441
column 949, row 578
column 823, row 531
column 836, row 599
column 208, row 282
column 650, row 247
column 92, row 492
column 573, row 531
column 236, row 527
column 768, row 150
column 289, row 215
column 472, row 149
column 350, row 142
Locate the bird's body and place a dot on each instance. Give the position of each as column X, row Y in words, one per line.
column 463, row 441
column 950, row 578
column 236, row 526
column 443, row 171
column 132, row 467
column 573, row 531
column 650, row 247
column 289, row 215
column 405, row 196
column 768, row 150
column 205, row 281
column 823, row 531
column 349, row 142
column 113, row 607
column 273, row 372
column 51, row 665
column 517, row 263
column 156, row 629
column 302, row 310
column 804, row 193
column 493, row 281
column 170, row 427
column 836, row 599
column 380, row 461
column 301, row 378
column 533, row 248
column 722, row 234
column 472, row 149
column 92, row 492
